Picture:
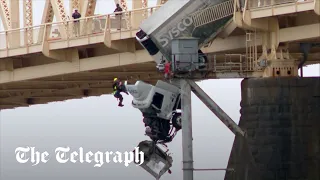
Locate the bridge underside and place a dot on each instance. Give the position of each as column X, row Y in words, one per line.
column 75, row 67
column 36, row 79
column 72, row 86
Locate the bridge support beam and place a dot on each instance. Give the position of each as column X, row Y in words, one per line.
column 248, row 165
column 279, row 63
column 61, row 15
column 125, row 45
column 187, row 146
column 138, row 16
column 121, row 45
column 28, row 21
column 70, row 54
column 14, row 37
column 88, row 9
column 235, row 129
column 5, row 14
column 6, row 64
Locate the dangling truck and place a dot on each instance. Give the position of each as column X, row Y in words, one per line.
column 160, row 104
column 201, row 19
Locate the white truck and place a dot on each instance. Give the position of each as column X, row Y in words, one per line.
column 201, row 19
column 160, row 106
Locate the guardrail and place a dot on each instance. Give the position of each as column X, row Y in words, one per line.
column 217, row 63
column 72, row 29
column 253, row 4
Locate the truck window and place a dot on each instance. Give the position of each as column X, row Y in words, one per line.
column 157, row 100
column 148, row 44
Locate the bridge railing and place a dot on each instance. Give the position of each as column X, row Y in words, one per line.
column 210, row 62
column 67, row 30
column 253, row 4
column 17, row 38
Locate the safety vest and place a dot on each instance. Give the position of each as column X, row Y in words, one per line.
column 115, row 88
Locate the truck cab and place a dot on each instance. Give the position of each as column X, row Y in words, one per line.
column 201, row 19
column 159, row 101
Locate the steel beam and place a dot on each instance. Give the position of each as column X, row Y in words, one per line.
column 187, row 148
column 74, row 4
column 76, row 66
column 123, row 4
column 71, row 91
column 15, row 35
column 60, row 13
column 47, row 17
column 88, row 9
column 138, row 16
column 14, row 14
column 28, row 20
column 215, row 109
column 5, row 14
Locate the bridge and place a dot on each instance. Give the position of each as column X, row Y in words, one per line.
column 264, row 38
column 49, row 62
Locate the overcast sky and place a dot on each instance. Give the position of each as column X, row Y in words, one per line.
column 98, row 124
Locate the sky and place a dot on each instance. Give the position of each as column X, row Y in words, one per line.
column 98, row 124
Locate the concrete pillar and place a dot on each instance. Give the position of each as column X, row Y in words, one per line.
column 282, row 120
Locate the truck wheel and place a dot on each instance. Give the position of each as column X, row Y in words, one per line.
column 176, row 121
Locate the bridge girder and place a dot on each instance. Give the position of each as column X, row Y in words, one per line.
column 75, row 4
column 5, row 14
column 74, row 65
column 28, row 19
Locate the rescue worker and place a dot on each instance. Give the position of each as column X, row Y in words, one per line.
column 167, row 70
column 117, row 89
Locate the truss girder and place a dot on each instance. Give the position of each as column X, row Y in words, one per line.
column 88, row 9
column 74, row 4
column 59, row 10
column 27, row 7
column 47, row 17
column 14, row 14
column 123, row 4
column 61, row 15
column 138, row 16
column 28, row 19
column 48, row 13
column 145, row 5
column 5, row 14
column 89, row 6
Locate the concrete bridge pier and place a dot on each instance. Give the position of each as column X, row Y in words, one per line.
column 282, row 119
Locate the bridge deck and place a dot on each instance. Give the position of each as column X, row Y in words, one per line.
column 55, row 65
